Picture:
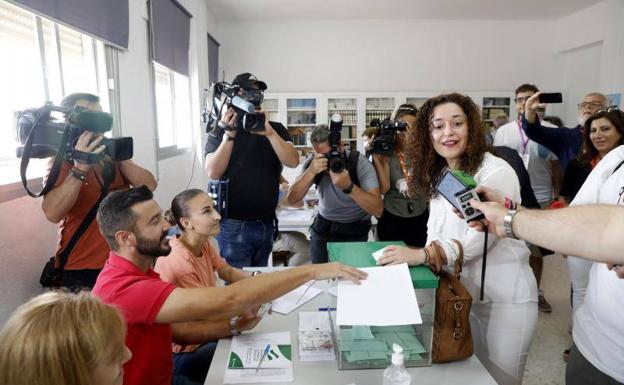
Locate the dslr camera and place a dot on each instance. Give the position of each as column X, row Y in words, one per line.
column 336, row 160
column 244, row 102
column 385, row 140
column 49, row 130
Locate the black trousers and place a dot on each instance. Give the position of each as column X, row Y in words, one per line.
column 77, row 280
column 323, row 231
column 581, row 372
column 412, row 231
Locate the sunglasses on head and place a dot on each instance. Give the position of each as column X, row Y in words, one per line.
column 608, row 109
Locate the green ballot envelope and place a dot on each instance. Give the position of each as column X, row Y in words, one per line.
column 361, row 346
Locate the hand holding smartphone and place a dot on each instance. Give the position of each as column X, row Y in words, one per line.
column 550, row 97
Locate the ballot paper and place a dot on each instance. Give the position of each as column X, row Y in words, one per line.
column 315, row 339
column 246, row 353
column 378, row 254
column 386, row 297
column 292, row 300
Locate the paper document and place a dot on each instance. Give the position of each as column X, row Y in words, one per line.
column 292, row 300
column 386, row 297
column 378, row 254
column 246, row 353
column 315, row 340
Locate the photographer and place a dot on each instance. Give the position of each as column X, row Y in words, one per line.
column 404, row 219
column 252, row 162
column 77, row 190
column 347, row 198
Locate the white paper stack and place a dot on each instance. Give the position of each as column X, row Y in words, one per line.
column 386, row 297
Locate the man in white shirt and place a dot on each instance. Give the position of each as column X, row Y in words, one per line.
column 543, row 168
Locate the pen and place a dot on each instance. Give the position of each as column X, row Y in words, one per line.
column 266, row 351
column 327, row 309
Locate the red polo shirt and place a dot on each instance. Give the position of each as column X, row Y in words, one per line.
column 139, row 296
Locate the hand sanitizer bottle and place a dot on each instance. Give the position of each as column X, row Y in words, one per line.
column 396, row 374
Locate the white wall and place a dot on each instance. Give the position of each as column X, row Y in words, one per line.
column 138, row 111
column 399, row 55
column 595, row 31
column 28, row 239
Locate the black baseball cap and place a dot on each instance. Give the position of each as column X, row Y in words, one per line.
column 245, row 80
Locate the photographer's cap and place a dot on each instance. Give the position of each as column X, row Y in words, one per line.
column 246, row 80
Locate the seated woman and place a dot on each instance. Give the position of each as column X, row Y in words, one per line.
column 193, row 261
column 59, row 338
column 448, row 135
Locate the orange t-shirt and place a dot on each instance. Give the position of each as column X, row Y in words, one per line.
column 91, row 250
column 183, row 269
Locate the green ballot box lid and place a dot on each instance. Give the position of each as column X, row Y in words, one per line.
column 360, row 254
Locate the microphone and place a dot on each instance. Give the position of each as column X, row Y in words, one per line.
column 97, row 122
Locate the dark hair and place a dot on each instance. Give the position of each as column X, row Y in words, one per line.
column 406, row 109
column 427, row 165
column 70, row 100
column 115, row 212
column 588, row 151
column 370, row 131
column 179, row 206
column 554, row 120
column 526, row 88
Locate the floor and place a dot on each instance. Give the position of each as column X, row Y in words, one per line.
column 545, row 365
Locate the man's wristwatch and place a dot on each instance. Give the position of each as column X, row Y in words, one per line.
column 349, row 189
column 233, row 329
column 508, row 222
column 78, row 174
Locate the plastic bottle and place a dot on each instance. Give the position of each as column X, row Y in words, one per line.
column 396, row 374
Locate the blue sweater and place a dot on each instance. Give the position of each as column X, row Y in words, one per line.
column 564, row 142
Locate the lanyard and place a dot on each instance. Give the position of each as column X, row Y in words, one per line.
column 403, row 164
column 523, row 138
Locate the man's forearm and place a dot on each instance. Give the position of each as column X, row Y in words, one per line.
column 596, row 231
column 369, row 201
column 199, row 332
column 137, row 175
column 285, row 151
column 58, row 201
column 299, row 189
column 217, row 162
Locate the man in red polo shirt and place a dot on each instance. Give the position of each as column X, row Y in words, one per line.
column 133, row 225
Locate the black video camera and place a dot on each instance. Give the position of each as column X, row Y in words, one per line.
column 385, row 141
column 336, row 160
column 225, row 95
column 53, row 133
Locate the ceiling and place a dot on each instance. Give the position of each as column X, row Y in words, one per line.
column 276, row 10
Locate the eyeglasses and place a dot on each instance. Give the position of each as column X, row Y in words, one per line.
column 590, row 104
column 608, row 109
column 521, row 99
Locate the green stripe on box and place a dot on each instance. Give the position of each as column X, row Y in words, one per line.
column 359, row 254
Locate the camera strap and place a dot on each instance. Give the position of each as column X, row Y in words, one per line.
column 108, row 174
column 56, row 166
column 85, row 157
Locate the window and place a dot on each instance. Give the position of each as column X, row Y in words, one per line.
column 42, row 61
column 173, row 111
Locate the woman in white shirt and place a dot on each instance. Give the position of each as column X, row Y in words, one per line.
column 448, row 135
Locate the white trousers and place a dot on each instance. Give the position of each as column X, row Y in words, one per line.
column 579, row 278
column 502, row 335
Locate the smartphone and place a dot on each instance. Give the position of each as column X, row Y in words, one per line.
column 550, row 97
column 459, row 195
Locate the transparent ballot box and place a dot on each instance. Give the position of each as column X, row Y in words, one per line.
column 361, row 346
